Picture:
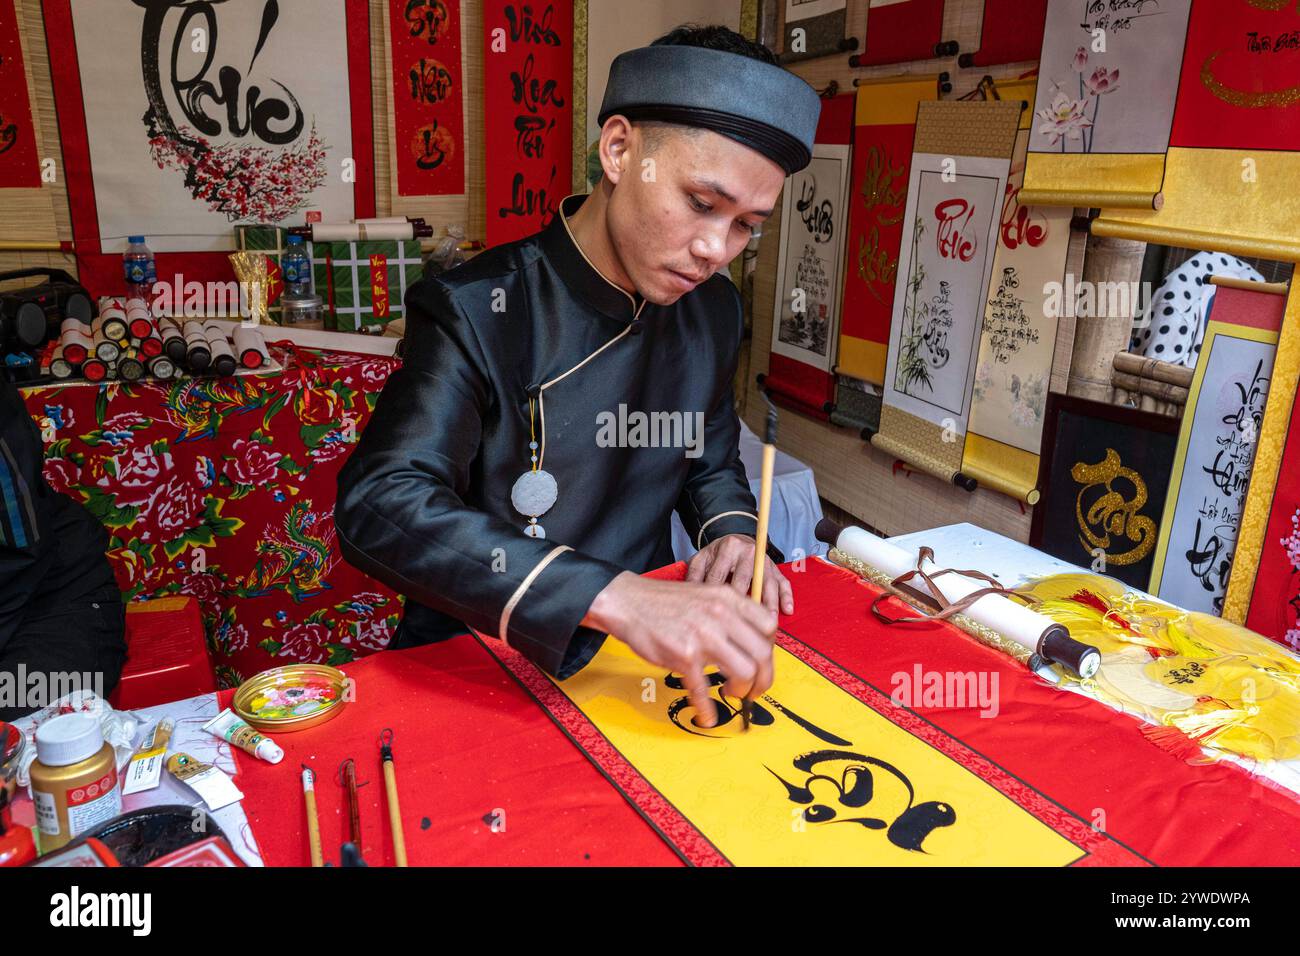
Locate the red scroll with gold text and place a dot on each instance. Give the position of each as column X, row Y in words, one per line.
column 1234, row 153
column 882, row 156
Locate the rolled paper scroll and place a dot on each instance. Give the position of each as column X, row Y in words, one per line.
column 223, row 357
column 360, row 231
column 1033, row 631
column 173, row 339
column 198, row 355
column 75, row 344
column 250, row 347
column 60, row 367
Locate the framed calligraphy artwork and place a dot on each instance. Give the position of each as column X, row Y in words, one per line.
column 1216, row 449
column 1108, row 74
column 885, row 123
column 1018, row 333
column 1104, row 478
column 814, row 224
column 1234, row 153
column 1264, row 586
column 955, row 192
column 527, row 114
column 19, row 167
column 428, row 96
column 179, row 119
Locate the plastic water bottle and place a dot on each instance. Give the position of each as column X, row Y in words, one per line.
column 296, row 266
column 138, row 265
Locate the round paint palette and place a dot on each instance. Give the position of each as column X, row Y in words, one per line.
column 294, row 697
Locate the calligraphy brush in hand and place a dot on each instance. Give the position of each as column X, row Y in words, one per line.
column 760, row 537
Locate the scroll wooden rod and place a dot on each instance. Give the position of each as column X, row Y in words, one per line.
column 944, row 85
column 29, row 245
column 1232, row 282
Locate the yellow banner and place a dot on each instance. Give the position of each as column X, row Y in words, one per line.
column 1242, row 202
column 816, row 757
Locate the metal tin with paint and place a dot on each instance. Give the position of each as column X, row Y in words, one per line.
column 290, row 698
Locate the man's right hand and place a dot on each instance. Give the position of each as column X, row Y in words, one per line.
column 686, row 626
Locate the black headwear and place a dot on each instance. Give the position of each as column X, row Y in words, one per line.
column 763, row 106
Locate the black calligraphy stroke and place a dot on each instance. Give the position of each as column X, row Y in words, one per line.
column 856, row 787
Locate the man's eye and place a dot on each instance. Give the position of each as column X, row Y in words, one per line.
column 699, row 206
column 746, row 227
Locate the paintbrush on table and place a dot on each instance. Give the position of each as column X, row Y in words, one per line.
column 760, row 537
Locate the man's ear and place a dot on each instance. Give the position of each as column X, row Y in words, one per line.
column 615, row 147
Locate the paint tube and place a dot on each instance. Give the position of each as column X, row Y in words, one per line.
column 235, row 730
column 212, row 784
column 145, row 769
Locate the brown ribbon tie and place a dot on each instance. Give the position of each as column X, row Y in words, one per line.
column 943, row 608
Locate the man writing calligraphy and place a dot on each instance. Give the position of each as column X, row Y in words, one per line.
column 484, row 487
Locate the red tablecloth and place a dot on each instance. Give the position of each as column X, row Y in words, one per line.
column 473, row 747
column 224, row 488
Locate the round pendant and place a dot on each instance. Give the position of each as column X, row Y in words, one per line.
column 534, row 493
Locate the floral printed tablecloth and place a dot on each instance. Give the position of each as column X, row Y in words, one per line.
column 224, row 488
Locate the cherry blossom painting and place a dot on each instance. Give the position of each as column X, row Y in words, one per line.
column 203, row 114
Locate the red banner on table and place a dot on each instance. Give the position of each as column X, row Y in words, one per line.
column 882, row 159
column 428, row 111
column 1012, row 32
column 19, row 166
column 902, row 30
column 528, row 114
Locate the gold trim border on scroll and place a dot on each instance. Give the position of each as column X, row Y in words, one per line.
column 994, row 464
column 1001, row 467
column 1209, row 206
column 1121, row 180
column 907, row 437
column 1278, row 409
column 1214, row 331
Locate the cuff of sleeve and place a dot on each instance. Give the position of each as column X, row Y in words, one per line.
column 544, row 622
column 732, row 522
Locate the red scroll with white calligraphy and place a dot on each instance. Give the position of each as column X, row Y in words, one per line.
column 527, row 114
column 428, row 108
column 1018, row 338
column 1234, row 155
column 882, row 156
column 960, row 161
column 806, row 316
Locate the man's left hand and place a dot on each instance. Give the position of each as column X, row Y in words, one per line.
column 730, row 559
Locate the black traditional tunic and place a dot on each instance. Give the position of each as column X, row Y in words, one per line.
column 424, row 502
